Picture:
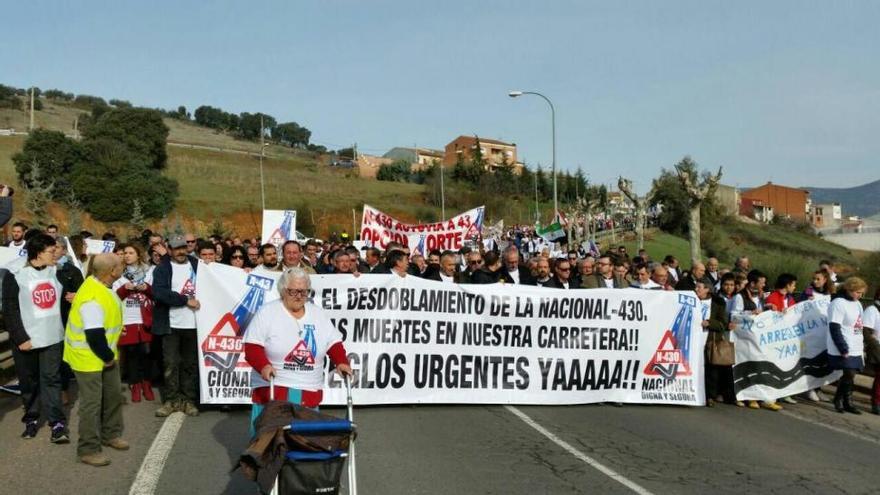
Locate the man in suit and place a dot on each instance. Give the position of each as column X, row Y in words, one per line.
column 447, row 272
column 513, row 271
column 585, row 269
column 605, row 278
column 689, row 279
column 712, row 273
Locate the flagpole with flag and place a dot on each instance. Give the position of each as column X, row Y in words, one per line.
column 554, row 231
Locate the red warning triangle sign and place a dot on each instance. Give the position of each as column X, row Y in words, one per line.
column 668, row 361
column 300, row 355
column 224, row 337
column 277, row 238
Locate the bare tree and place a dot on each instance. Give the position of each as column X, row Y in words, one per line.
column 641, row 205
column 39, row 191
column 697, row 193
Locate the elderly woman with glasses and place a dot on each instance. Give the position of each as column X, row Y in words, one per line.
column 289, row 339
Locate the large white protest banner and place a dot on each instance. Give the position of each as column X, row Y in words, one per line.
column 782, row 354
column 378, row 229
column 279, row 226
column 411, row 340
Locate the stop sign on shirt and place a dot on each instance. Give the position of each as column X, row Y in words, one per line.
column 44, row 295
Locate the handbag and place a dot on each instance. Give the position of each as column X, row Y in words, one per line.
column 721, row 352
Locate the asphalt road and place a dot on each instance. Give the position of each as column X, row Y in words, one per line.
column 808, row 448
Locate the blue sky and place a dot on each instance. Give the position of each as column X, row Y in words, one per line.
column 781, row 91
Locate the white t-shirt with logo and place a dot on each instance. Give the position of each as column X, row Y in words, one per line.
column 39, row 299
column 296, row 348
column 131, row 305
column 871, row 319
column 183, row 281
column 849, row 315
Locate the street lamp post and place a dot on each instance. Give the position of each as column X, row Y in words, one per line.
column 514, row 94
column 262, row 150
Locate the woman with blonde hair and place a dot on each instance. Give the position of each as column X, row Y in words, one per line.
column 845, row 341
column 134, row 288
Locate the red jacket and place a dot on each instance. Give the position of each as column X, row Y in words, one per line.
column 779, row 301
column 135, row 334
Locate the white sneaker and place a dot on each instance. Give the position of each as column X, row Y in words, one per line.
column 813, row 396
column 789, row 400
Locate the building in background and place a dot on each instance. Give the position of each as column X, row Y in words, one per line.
column 368, row 165
column 419, row 158
column 788, row 202
column 756, row 209
column 494, row 152
column 728, row 199
column 826, row 215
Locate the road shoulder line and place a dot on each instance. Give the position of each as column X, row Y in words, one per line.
column 578, row 454
column 148, row 475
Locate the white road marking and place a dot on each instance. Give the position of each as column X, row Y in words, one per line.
column 830, row 427
column 151, row 469
column 580, row 455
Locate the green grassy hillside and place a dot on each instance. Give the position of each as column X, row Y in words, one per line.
column 770, row 248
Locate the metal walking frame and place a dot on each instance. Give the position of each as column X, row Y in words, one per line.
column 332, row 426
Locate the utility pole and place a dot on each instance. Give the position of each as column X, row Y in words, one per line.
column 76, row 127
column 31, row 128
column 262, row 149
column 537, row 213
column 442, row 194
column 354, row 231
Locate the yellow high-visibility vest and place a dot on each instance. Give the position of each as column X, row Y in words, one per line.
column 77, row 352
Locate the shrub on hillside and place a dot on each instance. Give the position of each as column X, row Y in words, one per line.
column 57, row 94
column 141, row 130
column 56, row 156
column 115, row 178
column 398, row 171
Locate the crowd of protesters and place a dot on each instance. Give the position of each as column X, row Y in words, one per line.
column 154, row 278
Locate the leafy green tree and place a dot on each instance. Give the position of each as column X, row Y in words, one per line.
column 292, row 134
column 249, row 124
column 56, row 154
column 526, row 182
column 141, row 130
column 120, row 103
column 57, row 94
column 209, row 116
column 545, row 184
column 116, row 177
column 88, row 102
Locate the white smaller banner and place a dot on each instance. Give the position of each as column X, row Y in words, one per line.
column 279, row 226
column 97, row 246
column 781, row 354
column 378, row 229
column 9, row 254
column 74, row 258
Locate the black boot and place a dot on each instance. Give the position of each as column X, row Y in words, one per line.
column 838, row 396
column 847, row 400
column 847, row 397
column 875, row 408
